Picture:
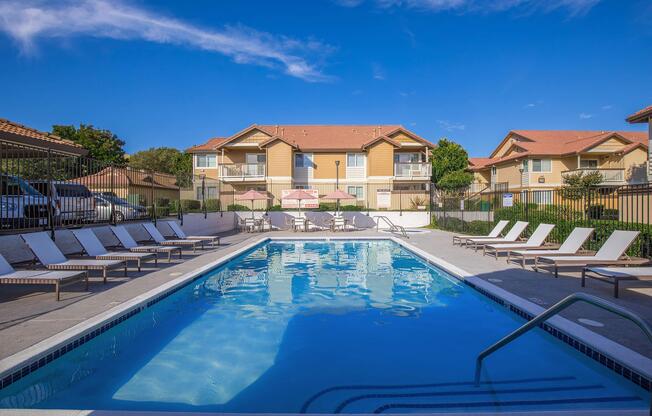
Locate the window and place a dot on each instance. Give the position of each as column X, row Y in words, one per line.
column 357, row 191
column 411, row 187
column 302, row 160
column 541, row 165
column 588, row 164
column 407, row 157
column 542, row 197
column 302, row 187
column 355, row 160
column 525, row 166
column 210, row 192
column 205, row 161
column 493, row 171
column 255, row 158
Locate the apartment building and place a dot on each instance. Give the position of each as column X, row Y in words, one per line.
column 644, row 116
column 537, row 160
column 375, row 163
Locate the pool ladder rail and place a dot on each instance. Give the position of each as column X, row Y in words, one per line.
column 554, row 310
column 393, row 228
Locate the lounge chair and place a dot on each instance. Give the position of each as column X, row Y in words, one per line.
column 319, row 220
column 280, row 220
column 212, row 239
column 511, row 237
column 610, row 253
column 569, row 247
column 613, row 275
column 495, row 233
column 9, row 276
column 94, row 248
column 535, row 241
column 159, row 239
column 51, row 257
column 128, row 242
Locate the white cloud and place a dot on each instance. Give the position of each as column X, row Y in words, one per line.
column 585, row 116
column 27, row 21
column 529, row 105
column 607, row 107
column 450, row 126
column 378, row 72
column 574, row 7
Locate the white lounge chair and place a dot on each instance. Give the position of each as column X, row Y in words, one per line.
column 159, row 239
column 512, row 236
column 212, row 239
column 130, row 244
column 51, row 257
column 613, row 275
column 94, row 248
column 10, row 276
column 338, row 223
column 495, row 233
column 611, row 252
column 536, row 240
column 569, row 247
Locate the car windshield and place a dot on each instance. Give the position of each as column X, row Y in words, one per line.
column 73, row 190
column 12, row 185
column 115, row 200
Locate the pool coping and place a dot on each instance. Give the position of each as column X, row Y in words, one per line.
column 623, row 361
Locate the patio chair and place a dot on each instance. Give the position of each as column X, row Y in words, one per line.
column 51, row 257
column 569, row 247
column 613, row 275
column 159, row 239
column 494, row 233
column 338, row 222
column 128, row 242
column 512, row 236
column 536, row 240
column 94, row 248
column 299, row 223
column 182, row 235
column 10, row 276
column 611, row 252
column 250, row 225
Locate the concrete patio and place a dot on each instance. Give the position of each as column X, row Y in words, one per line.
column 31, row 314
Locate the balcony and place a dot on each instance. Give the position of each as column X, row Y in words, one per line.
column 242, row 171
column 413, row 170
column 614, row 176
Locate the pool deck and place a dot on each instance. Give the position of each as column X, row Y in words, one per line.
column 29, row 314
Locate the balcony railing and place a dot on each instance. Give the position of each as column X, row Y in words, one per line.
column 609, row 176
column 243, row 170
column 412, row 170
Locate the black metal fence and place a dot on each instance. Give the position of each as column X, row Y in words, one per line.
column 44, row 189
column 603, row 208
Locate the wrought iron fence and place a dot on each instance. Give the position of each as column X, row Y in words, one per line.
column 45, row 189
column 603, row 208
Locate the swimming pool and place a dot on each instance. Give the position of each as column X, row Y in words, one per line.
column 351, row 326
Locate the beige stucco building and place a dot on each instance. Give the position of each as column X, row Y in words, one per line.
column 537, row 160
column 364, row 160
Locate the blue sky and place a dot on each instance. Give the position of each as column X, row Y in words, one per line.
column 168, row 73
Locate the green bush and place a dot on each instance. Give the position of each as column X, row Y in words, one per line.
column 460, row 226
column 351, row 208
column 212, row 205
column 610, row 214
column 237, row 207
column 594, row 212
column 190, row 205
column 275, row 208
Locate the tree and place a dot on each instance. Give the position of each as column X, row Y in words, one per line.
column 102, row 145
column 580, row 184
column 449, row 166
column 162, row 159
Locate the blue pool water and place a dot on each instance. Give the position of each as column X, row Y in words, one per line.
column 337, row 327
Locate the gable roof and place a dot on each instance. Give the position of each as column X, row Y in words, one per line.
column 323, row 137
column 18, row 133
column 210, row 145
column 128, row 176
column 559, row 143
column 641, row 116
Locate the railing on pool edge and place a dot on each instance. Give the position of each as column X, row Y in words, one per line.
column 554, row 310
column 392, row 227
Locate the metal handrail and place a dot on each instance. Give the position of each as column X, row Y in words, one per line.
column 392, row 227
column 554, row 310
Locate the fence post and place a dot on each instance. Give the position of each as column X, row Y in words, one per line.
column 400, row 202
column 179, row 209
column 49, row 196
column 527, row 208
column 151, row 173
column 203, row 196
column 112, row 185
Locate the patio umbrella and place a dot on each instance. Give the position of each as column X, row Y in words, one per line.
column 252, row 196
column 299, row 195
column 337, row 195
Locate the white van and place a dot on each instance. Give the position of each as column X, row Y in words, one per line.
column 74, row 202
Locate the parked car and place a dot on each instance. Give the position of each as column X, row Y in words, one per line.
column 21, row 205
column 124, row 210
column 74, row 201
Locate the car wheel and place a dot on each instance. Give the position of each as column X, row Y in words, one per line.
column 119, row 216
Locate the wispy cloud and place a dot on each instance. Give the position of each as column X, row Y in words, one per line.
column 27, row 21
column 585, row 116
column 378, row 72
column 573, row 7
column 450, row 126
column 607, row 107
column 529, row 105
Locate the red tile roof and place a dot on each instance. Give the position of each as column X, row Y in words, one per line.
column 210, row 145
column 14, row 129
column 321, row 137
column 641, row 116
column 559, row 143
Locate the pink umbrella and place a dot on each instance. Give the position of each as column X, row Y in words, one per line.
column 251, row 195
column 299, row 195
column 337, row 195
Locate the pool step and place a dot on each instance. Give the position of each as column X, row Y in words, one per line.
column 531, row 393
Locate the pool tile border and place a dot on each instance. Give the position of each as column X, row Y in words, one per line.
column 22, row 364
